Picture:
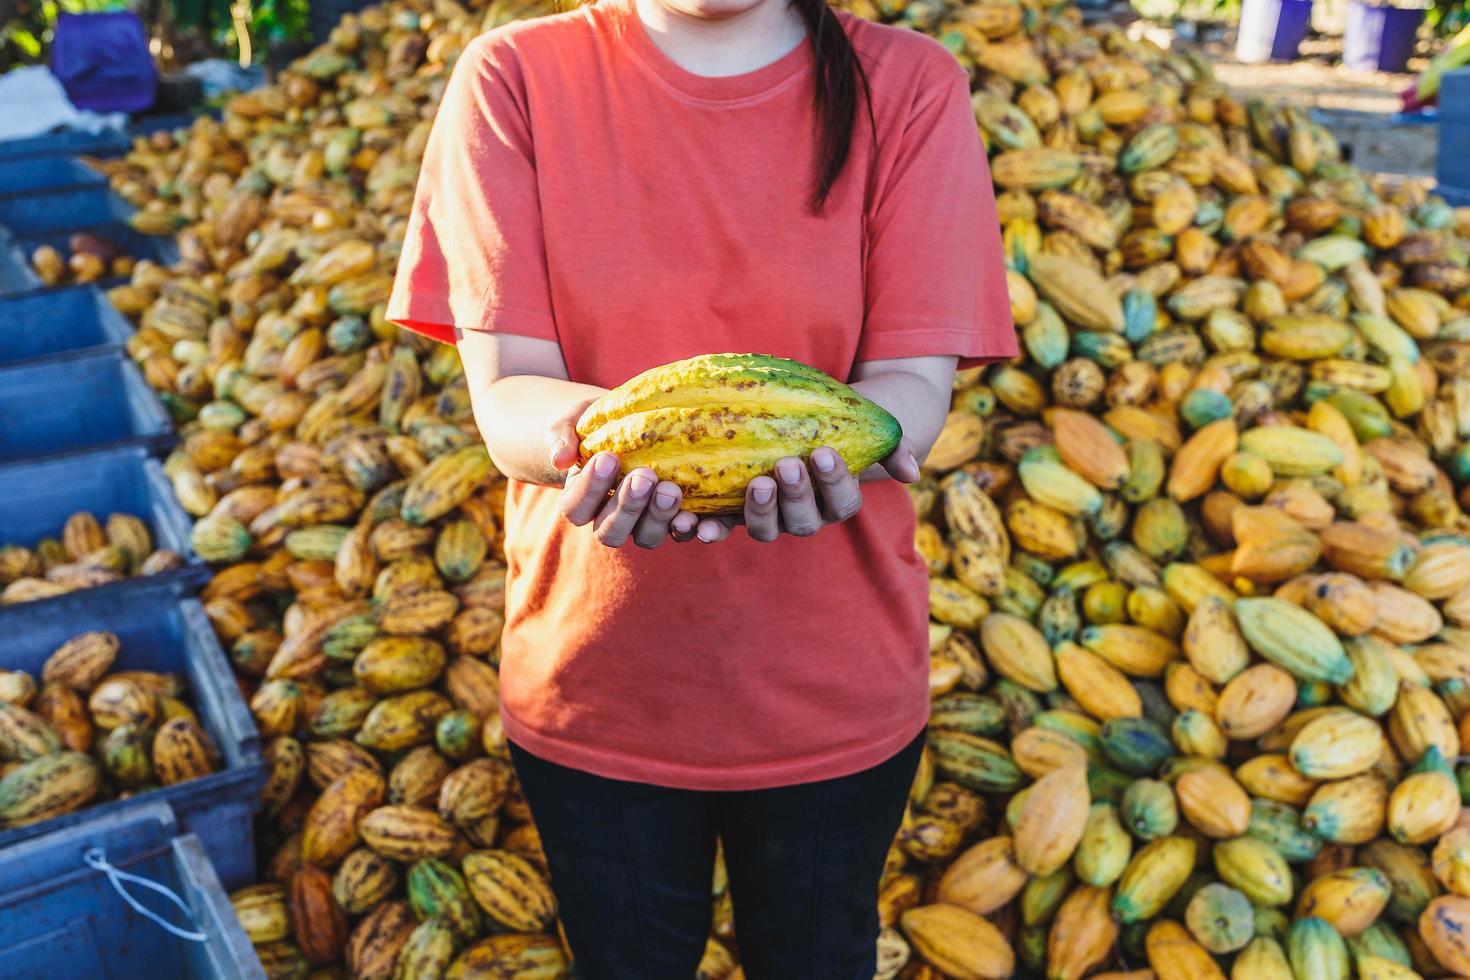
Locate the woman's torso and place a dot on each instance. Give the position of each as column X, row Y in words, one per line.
column 675, row 220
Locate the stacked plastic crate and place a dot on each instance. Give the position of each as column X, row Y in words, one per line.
column 1454, row 137
column 81, row 431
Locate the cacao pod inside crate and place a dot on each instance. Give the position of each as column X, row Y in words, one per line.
column 155, row 631
column 110, row 242
column 89, row 402
column 58, row 323
column 106, row 520
column 60, row 918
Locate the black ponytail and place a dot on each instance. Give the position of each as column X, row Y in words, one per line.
column 839, row 78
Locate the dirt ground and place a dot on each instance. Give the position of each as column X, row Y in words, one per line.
column 1359, row 107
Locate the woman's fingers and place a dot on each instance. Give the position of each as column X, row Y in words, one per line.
column 800, row 514
column 798, row 501
column 562, row 442
column 901, row 464
column 712, row 529
column 586, row 489
column 839, row 490
column 618, row 517
column 683, row 526
column 654, row 526
column 762, row 515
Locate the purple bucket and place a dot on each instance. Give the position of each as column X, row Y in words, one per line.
column 1379, row 38
column 1271, row 30
column 103, row 62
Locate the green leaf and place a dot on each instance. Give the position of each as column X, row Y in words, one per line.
column 27, row 42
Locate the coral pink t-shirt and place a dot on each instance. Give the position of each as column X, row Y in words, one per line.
column 582, row 188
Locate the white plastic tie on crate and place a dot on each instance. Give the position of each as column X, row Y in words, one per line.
column 96, row 858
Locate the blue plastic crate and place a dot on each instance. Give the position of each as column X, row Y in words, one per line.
column 60, row 407
column 59, row 323
column 159, row 631
column 68, row 142
column 159, row 248
column 62, row 917
column 167, row 122
column 45, row 173
column 1453, row 166
column 37, row 212
column 37, row 498
column 1454, row 94
column 15, row 273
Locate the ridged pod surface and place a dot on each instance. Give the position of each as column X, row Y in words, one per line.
column 1175, row 955
column 262, row 912
column 510, row 890
column 378, row 939
column 984, row 877
column 1052, row 820
column 713, row 423
column 959, row 942
column 46, row 787
column 1082, row 934
column 1443, row 927
column 1154, row 875
column 1350, row 900
column 438, row 892
column 524, row 957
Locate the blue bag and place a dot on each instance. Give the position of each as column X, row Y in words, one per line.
column 102, row 61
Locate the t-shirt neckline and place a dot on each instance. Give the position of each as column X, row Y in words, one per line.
column 721, row 88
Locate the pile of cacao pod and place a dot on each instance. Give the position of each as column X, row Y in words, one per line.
column 86, row 554
column 89, row 257
column 1200, row 574
column 83, row 733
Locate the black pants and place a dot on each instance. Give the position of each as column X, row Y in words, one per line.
column 632, row 864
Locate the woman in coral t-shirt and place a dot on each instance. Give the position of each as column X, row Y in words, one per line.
column 640, row 181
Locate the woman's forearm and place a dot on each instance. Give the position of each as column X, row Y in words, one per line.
column 916, row 393
column 520, row 394
column 515, row 413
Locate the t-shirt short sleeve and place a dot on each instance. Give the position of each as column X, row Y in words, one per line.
column 473, row 256
column 935, row 270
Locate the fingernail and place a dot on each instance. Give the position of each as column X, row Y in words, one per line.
column 706, row 533
column 825, row 460
column 913, row 461
column 639, row 484
column 684, row 523
column 762, row 493
column 557, row 445
column 666, row 498
column 790, row 472
column 605, row 465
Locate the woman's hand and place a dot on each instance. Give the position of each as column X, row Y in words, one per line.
column 519, row 388
column 804, row 497
column 643, row 507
